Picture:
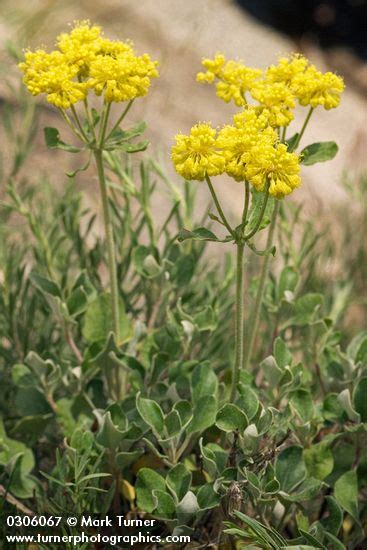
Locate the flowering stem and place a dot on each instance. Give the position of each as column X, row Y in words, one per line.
column 283, row 134
column 300, row 135
column 73, row 110
column 218, row 206
column 121, row 118
column 71, row 125
column 246, row 205
column 239, row 321
column 261, row 288
column 110, row 243
column 261, row 216
column 104, row 123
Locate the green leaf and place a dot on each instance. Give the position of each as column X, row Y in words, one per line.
column 184, row 410
column 205, row 410
column 188, row 508
column 164, row 505
column 308, row 490
column 333, row 521
column 282, row 355
column 120, row 135
column 172, row 423
column 109, row 435
column 291, row 142
column 346, row 402
column 46, row 286
column 203, row 382
column 230, row 418
column 255, row 210
column 305, row 309
column 313, row 540
column 127, row 147
column 346, row 493
column 207, row 497
column 145, row 262
column 357, row 349
column 290, row 469
column 199, row 234
column 332, row 409
column 151, row 413
column 288, row 281
column 360, row 399
column 248, row 401
column 319, row 460
column 178, row 481
column 77, row 302
column 336, row 543
column 148, row 481
column 98, row 320
column 302, row 402
column 318, row 152
column 125, row 458
column 53, row 141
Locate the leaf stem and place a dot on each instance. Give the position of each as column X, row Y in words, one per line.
column 218, row 206
column 261, row 288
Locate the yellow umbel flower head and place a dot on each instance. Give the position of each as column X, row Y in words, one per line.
column 121, row 77
column 275, row 165
column 51, row 74
column 197, row 154
column 277, row 99
column 234, row 78
column 85, row 60
column 81, row 45
column 287, row 69
column 315, row 88
column 249, row 129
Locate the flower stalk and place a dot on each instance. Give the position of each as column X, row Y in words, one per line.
column 112, row 269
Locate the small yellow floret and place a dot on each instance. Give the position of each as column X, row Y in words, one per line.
column 81, row 45
column 315, row 88
column 276, row 166
column 197, row 154
column 122, row 77
column 51, row 74
column 277, row 99
column 287, row 69
column 249, row 130
column 86, row 60
column 234, row 78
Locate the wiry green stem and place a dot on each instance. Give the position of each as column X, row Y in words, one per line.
column 260, row 291
column 239, row 320
column 110, row 243
column 218, row 206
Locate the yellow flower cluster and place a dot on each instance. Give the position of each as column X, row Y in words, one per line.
column 198, row 154
column 293, row 78
column 234, row 78
column 85, row 60
column 247, row 150
column 250, row 148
